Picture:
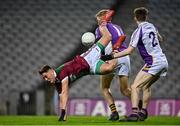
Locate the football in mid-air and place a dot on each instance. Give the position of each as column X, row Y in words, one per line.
column 88, row 39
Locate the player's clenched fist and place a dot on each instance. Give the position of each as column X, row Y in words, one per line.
column 62, row 116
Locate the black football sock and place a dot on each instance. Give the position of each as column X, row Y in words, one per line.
column 63, row 112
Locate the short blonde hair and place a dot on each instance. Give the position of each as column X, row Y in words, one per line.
column 101, row 13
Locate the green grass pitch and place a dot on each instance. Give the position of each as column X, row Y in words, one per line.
column 83, row 120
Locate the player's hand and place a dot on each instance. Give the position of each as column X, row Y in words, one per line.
column 114, row 53
column 107, row 57
column 102, row 27
column 62, row 116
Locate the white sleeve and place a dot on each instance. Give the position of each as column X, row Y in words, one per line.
column 108, row 49
column 135, row 37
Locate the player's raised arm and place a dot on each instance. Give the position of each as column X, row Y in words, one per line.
column 125, row 52
column 117, row 54
column 64, row 99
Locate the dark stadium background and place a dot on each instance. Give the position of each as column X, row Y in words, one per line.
column 38, row 32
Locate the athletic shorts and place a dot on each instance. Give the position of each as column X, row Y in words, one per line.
column 123, row 66
column 92, row 56
column 159, row 67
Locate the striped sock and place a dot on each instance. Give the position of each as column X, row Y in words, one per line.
column 135, row 110
column 113, row 108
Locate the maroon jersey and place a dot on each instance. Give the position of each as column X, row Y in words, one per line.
column 73, row 69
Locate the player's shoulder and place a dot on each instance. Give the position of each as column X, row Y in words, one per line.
column 58, row 70
column 114, row 27
column 112, row 24
column 136, row 30
column 147, row 25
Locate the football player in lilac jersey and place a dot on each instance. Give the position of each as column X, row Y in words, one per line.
column 146, row 38
column 122, row 68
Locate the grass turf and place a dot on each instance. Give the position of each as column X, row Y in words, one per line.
column 83, row 120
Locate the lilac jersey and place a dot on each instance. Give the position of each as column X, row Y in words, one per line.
column 145, row 38
column 115, row 31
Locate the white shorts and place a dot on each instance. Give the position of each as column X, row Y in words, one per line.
column 92, row 56
column 157, row 68
column 123, row 66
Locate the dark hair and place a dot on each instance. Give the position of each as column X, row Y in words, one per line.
column 44, row 69
column 141, row 13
